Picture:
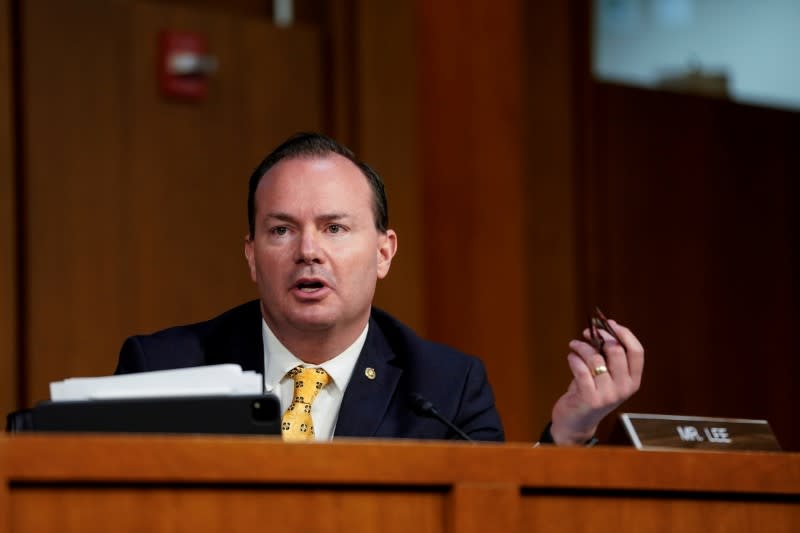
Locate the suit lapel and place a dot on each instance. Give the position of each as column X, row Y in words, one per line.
column 366, row 399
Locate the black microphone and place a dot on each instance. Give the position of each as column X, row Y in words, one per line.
column 426, row 408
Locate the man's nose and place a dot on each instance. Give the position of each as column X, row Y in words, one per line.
column 309, row 250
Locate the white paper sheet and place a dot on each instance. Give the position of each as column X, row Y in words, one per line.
column 212, row 380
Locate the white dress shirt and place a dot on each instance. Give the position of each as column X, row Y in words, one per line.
column 278, row 360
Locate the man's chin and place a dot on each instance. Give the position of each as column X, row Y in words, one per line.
column 312, row 325
column 313, row 320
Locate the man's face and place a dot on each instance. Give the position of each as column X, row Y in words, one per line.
column 316, row 254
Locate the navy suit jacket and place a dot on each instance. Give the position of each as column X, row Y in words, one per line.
column 404, row 364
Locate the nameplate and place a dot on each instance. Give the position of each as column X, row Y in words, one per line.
column 660, row 432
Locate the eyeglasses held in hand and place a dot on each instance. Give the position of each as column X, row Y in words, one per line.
column 597, row 323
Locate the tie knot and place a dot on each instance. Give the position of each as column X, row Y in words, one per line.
column 307, row 383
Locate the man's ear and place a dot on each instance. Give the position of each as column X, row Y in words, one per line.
column 387, row 247
column 250, row 255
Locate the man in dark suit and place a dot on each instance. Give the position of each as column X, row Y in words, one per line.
column 318, row 242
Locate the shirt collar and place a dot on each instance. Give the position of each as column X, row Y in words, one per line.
column 279, row 360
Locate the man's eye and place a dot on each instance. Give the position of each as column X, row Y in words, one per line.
column 279, row 230
column 335, row 228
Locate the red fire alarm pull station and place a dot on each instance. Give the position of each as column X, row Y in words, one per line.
column 184, row 65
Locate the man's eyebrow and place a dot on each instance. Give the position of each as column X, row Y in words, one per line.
column 332, row 217
column 285, row 217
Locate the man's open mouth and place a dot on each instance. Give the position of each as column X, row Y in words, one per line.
column 309, row 286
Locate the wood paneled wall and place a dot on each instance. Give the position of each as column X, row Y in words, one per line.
column 692, row 211
column 387, row 133
column 473, row 160
column 77, row 264
column 552, row 129
column 8, row 226
column 673, row 213
column 135, row 214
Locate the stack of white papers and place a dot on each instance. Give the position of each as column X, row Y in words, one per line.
column 213, row 380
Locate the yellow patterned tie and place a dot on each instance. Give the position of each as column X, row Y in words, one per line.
column 297, row 423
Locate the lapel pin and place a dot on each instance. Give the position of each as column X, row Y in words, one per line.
column 369, row 372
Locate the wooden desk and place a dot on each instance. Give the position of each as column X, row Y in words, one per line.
column 197, row 483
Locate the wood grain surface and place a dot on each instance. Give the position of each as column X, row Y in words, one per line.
column 9, row 346
column 196, row 483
